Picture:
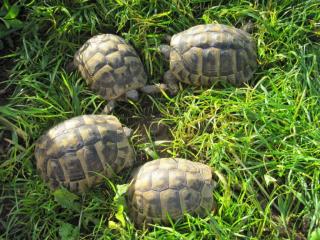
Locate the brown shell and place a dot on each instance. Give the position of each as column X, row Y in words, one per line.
column 110, row 66
column 78, row 151
column 209, row 53
column 170, row 186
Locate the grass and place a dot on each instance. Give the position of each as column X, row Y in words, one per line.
column 263, row 139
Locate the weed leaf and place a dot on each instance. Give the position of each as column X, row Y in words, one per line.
column 66, row 199
column 68, row 232
column 315, row 235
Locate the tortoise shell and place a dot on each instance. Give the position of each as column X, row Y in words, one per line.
column 110, row 66
column 78, row 152
column 209, row 53
column 169, row 186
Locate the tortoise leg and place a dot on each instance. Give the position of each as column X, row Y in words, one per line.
column 167, row 38
column 172, row 82
column 71, row 66
column 132, row 95
column 109, row 107
column 127, row 131
column 165, row 50
column 155, row 88
column 248, row 27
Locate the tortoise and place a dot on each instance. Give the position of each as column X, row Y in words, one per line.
column 206, row 54
column 79, row 152
column 113, row 69
column 169, row 187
